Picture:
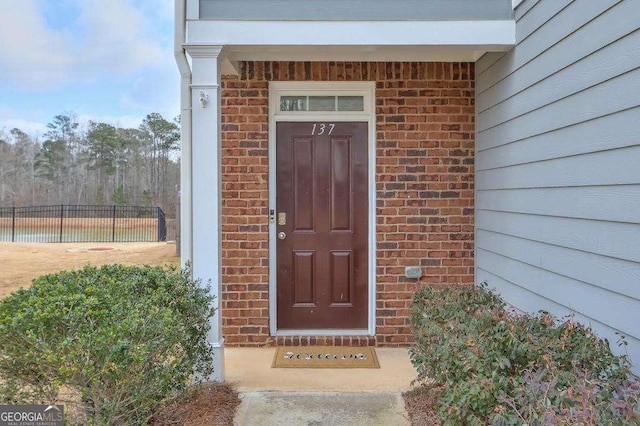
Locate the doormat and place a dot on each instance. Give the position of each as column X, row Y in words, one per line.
column 325, row 357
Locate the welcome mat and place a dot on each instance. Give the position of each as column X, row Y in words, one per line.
column 325, row 357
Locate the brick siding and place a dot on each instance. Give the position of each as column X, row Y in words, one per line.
column 424, row 189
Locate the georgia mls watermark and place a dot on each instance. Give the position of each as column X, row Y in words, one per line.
column 31, row 415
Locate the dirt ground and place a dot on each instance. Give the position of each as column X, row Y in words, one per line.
column 20, row 263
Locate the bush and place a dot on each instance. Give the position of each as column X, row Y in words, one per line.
column 119, row 339
column 588, row 400
column 488, row 361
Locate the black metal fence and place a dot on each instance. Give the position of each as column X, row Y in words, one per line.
column 65, row 223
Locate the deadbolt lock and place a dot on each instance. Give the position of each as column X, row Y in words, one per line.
column 282, row 218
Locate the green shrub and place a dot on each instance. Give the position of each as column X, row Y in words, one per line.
column 587, row 400
column 470, row 346
column 120, row 339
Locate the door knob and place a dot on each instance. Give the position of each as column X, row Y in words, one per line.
column 282, row 235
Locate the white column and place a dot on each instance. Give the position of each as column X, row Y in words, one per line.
column 206, row 194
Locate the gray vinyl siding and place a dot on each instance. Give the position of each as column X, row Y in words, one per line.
column 355, row 10
column 558, row 165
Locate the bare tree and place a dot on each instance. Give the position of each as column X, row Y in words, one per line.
column 163, row 137
column 96, row 165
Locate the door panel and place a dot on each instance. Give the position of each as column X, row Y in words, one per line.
column 304, row 284
column 322, row 186
column 341, row 278
column 340, row 184
column 304, row 180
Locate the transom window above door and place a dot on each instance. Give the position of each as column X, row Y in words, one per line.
column 321, row 103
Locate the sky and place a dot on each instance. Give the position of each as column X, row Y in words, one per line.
column 102, row 60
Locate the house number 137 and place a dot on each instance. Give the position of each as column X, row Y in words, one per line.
column 320, row 129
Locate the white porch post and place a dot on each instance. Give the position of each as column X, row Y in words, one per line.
column 206, row 185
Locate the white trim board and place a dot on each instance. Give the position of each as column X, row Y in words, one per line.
column 476, row 34
column 193, row 9
column 367, row 90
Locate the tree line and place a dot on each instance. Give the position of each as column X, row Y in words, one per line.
column 97, row 163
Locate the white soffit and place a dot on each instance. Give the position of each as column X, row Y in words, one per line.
column 358, row 53
column 499, row 35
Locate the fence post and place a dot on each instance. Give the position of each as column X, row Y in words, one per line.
column 162, row 225
column 113, row 230
column 61, row 219
column 13, row 224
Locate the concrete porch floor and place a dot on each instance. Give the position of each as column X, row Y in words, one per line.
column 307, row 396
column 250, row 369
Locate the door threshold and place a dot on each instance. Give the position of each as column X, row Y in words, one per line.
column 324, row 332
column 326, row 340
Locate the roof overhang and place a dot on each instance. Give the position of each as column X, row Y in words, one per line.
column 452, row 41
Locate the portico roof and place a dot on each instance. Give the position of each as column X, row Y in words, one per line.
column 454, row 41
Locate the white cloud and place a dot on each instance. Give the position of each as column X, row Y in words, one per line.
column 121, row 37
column 31, row 54
column 32, row 128
column 160, row 9
column 118, row 38
column 123, row 121
column 10, row 118
column 38, row 129
column 155, row 92
column 60, row 55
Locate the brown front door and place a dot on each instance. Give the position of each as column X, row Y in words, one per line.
column 322, row 225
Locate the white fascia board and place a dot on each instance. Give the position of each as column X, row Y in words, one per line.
column 351, row 33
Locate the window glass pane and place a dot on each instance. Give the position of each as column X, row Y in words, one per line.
column 293, row 103
column 322, row 103
column 350, row 103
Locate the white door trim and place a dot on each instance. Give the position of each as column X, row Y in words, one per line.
column 292, row 88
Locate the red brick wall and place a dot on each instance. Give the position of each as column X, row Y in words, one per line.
column 424, row 186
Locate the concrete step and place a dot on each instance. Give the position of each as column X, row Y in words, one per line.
column 272, row 408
